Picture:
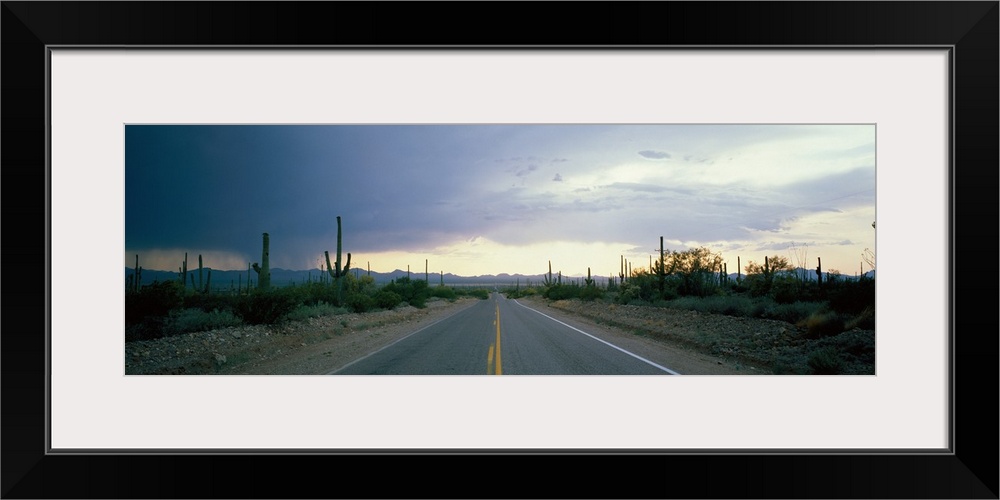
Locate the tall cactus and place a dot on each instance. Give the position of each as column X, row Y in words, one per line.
column 819, row 271
column 183, row 270
column 201, row 286
column 337, row 272
column 264, row 269
column 548, row 278
column 589, row 282
column 136, row 276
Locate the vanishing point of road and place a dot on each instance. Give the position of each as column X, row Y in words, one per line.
column 501, row 336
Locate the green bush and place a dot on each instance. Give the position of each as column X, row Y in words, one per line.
column 590, row 293
column 265, row 307
column 387, row 299
column 196, row 320
column 315, row 311
column 824, row 324
column 444, row 292
column 360, row 302
column 414, row 292
column 479, row 293
column 209, row 302
column 853, row 297
column 153, row 301
column 562, row 292
column 786, row 289
column 791, row 313
column 865, row 320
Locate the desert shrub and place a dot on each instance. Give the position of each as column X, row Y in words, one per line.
column 155, row 300
column 865, row 320
column 823, row 324
column 478, row 293
column 855, row 349
column 825, row 361
column 311, row 294
column 627, row 293
column 414, row 292
column 265, row 307
column 590, row 293
column 418, row 301
column 318, row 310
column 387, row 299
column 561, row 292
column 641, row 286
column 196, row 320
column 785, row 289
column 444, row 292
column 793, row 312
column 361, row 284
column 360, row 302
column 209, row 302
column 853, row 297
column 149, row 328
column 716, row 304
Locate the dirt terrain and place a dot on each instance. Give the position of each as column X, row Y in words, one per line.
column 685, row 341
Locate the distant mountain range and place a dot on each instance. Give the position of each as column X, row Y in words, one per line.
column 224, row 280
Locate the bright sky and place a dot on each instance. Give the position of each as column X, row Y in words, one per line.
column 490, row 199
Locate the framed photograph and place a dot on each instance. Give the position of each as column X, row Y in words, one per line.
column 174, row 112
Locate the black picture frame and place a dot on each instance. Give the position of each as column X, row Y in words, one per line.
column 970, row 28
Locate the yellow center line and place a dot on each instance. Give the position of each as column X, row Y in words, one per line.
column 489, row 360
column 499, row 370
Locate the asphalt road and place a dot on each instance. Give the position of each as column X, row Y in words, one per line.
column 501, row 336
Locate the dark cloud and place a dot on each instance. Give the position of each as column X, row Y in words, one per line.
column 203, row 189
column 654, row 155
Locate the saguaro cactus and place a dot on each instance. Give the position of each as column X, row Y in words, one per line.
column 547, row 280
column 819, row 271
column 264, row 269
column 137, row 276
column 621, row 268
column 338, row 272
column 183, row 270
column 589, row 282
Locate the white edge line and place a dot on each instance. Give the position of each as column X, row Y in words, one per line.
column 640, row 358
column 380, row 349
